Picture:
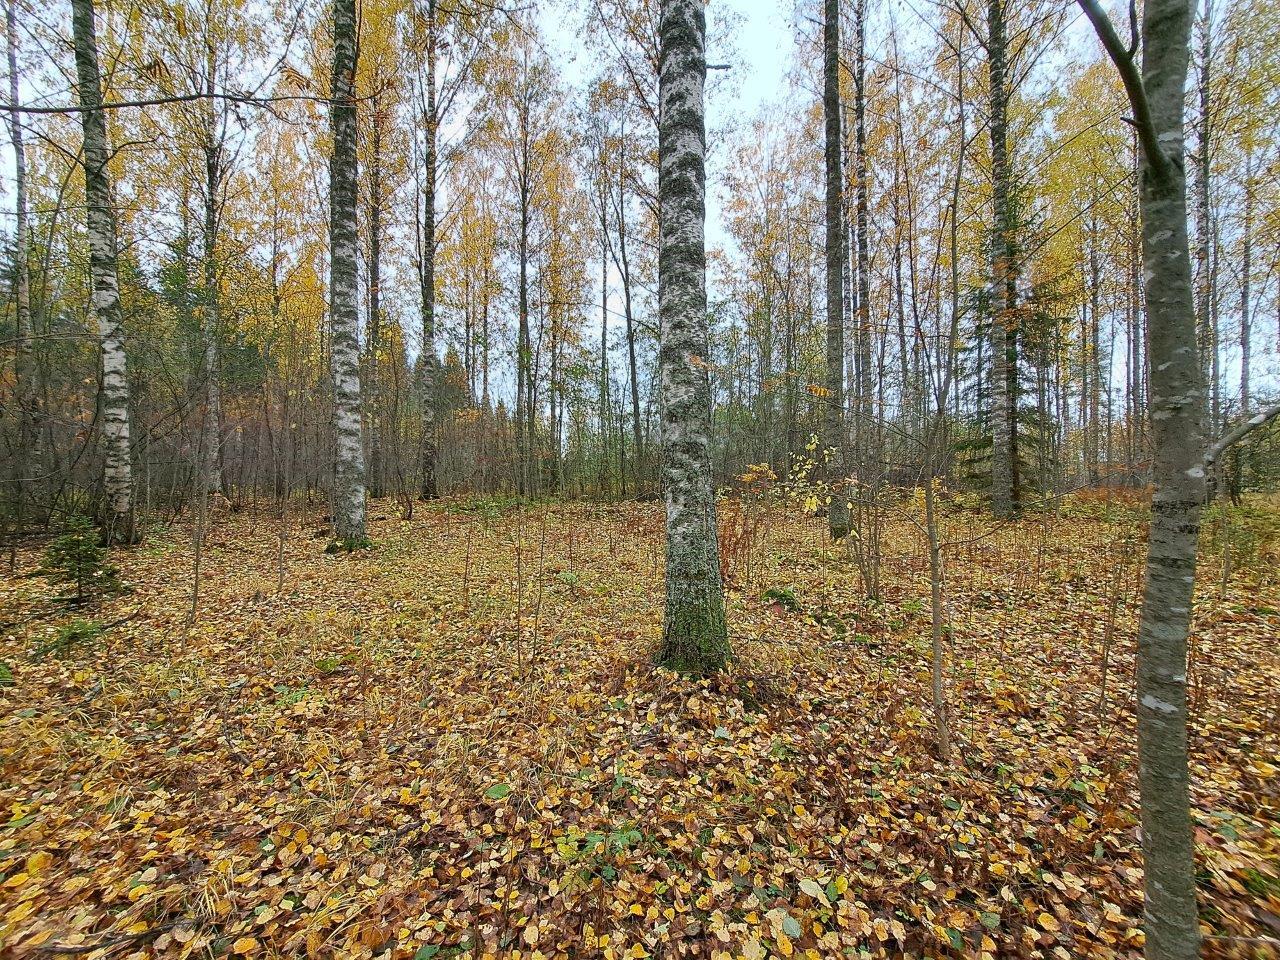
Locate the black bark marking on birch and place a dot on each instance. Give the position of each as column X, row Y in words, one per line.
column 104, row 278
column 344, row 319
column 695, row 635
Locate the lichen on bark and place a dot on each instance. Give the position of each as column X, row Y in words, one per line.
column 695, row 635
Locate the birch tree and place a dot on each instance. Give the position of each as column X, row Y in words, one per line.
column 1005, row 494
column 348, row 487
column 694, row 635
column 104, row 279
column 833, row 402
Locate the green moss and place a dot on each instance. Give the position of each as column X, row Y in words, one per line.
column 695, row 640
column 348, row 545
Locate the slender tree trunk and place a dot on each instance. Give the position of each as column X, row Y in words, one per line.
column 372, row 382
column 605, row 458
column 1246, row 284
column 430, row 363
column 1094, row 357
column 29, row 464
column 1004, row 327
column 524, row 353
column 833, row 402
column 1203, row 208
column 211, row 427
column 103, row 275
column 637, row 428
column 863, row 427
column 348, row 493
column 695, row 635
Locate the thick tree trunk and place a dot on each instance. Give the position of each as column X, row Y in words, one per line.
column 694, row 636
column 1004, row 326
column 348, row 491
column 833, row 402
column 1179, row 467
column 103, row 275
column 28, row 464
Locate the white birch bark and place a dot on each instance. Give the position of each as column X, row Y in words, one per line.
column 695, row 636
column 101, row 222
column 344, row 319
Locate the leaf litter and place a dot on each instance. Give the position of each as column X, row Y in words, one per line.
column 454, row 744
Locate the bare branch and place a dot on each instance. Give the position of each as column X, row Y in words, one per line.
column 1239, row 432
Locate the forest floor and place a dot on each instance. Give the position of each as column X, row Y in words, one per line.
column 457, row 738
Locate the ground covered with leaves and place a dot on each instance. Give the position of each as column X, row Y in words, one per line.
column 454, row 744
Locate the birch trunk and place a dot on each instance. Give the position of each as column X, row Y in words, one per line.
column 695, row 636
column 103, row 276
column 348, row 487
column 833, row 402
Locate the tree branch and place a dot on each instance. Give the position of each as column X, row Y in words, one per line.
column 1239, row 432
column 177, row 98
column 1122, row 56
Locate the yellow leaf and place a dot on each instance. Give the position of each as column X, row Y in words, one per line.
column 1048, row 922
column 17, row 880
column 813, row 889
column 245, row 945
column 38, row 861
column 784, row 944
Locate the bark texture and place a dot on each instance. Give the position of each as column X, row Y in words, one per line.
column 1179, row 467
column 1177, row 404
column 103, row 276
column 833, row 403
column 695, row 636
column 344, row 319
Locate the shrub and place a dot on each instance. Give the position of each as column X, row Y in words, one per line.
column 79, row 561
column 69, row 636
